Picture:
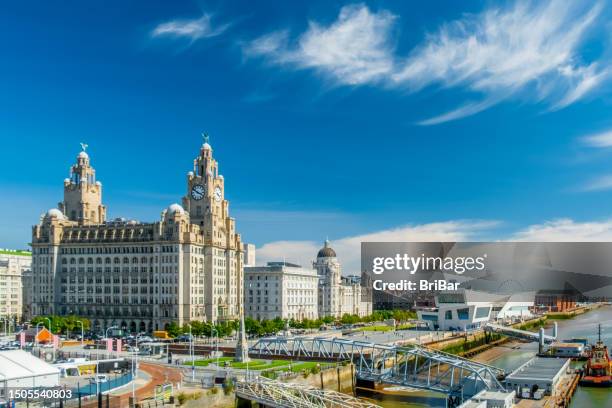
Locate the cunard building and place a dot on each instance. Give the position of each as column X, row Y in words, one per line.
column 186, row 266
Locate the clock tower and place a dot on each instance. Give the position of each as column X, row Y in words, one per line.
column 205, row 188
column 209, row 217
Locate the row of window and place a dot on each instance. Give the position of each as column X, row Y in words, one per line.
column 111, row 250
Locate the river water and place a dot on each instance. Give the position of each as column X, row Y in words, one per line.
column 584, row 326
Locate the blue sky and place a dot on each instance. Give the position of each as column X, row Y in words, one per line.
column 353, row 121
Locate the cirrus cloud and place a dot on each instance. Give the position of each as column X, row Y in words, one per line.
column 529, row 50
column 354, row 50
column 193, row 29
column 601, row 140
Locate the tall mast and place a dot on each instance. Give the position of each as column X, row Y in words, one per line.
column 599, row 332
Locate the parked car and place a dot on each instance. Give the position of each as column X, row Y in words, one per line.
column 99, row 378
column 184, row 338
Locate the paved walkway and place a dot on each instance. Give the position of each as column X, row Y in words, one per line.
column 156, row 374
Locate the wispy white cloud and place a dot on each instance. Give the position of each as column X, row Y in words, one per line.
column 193, row 29
column 272, row 45
column 582, row 81
column 567, row 230
column 349, row 248
column 603, row 139
column 528, row 50
column 470, row 108
column 600, row 183
column 356, row 49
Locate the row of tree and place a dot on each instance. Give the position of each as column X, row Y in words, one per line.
column 207, row 329
column 380, row 315
column 264, row 327
column 62, row 324
column 65, row 324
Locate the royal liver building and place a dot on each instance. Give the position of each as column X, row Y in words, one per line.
column 134, row 275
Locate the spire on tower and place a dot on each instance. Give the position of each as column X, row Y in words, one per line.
column 206, row 139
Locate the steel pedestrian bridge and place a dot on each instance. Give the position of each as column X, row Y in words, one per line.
column 521, row 334
column 276, row 394
column 411, row 366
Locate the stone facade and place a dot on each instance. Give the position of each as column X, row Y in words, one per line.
column 281, row 289
column 15, row 269
column 289, row 291
column 338, row 295
column 249, row 254
column 186, row 266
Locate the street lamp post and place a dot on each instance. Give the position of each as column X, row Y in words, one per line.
column 82, row 331
column 49, row 320
column 36, row 337
column 191, row 354
column 216, row 344
column 134, row 370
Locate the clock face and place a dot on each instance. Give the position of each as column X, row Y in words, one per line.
column 217, row 194
column 198, row 191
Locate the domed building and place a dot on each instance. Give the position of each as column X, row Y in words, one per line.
column 338, row 295
column 139, row 276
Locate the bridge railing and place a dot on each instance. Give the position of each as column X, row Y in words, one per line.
column 518, row 333
column 413, row 366
column 278, row 394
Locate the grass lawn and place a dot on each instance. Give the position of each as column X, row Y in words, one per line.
column 560, row 315
column 260, row 364
column 305, row 365
column 204, row 363
column 376, row 328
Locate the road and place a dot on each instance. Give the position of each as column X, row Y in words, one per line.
column 389, row 337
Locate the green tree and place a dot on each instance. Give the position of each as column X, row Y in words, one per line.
column 268, row 327
column 173, row 329
column 252, row 326
column 62, row 324
column 328, row 319
column 349, row 319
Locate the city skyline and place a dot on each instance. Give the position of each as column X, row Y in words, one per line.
column 352, row 141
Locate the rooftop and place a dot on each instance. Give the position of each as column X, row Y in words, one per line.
column 283, row 263
column 567, row 345
column 18, row 363
column 539, row 368
column 280, row 268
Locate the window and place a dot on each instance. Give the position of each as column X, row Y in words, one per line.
column 482, row 312
column 448, row 315
column 431, row 318
column 463, row 314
